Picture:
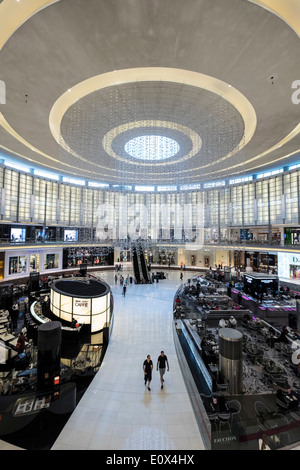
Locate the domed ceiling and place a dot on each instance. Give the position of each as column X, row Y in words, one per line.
column 145, row 91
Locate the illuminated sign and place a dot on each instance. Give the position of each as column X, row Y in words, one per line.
column 81, row 303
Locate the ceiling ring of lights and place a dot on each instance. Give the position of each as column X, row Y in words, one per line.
column 113, row 133
column 153, row 74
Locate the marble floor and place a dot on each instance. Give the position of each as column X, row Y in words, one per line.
column 117, row 412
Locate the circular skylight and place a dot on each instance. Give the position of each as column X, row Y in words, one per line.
column 152, row 147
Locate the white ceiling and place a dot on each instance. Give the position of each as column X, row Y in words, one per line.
column 235, row 42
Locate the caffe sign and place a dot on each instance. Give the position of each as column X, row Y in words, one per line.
column 81, row 303
column 82, row 308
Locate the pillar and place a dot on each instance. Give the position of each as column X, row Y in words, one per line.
column 231, row 358
column 49, row 352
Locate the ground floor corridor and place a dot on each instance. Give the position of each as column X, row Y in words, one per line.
column 118, row 412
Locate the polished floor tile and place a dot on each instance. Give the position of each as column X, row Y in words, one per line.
column 117, row 412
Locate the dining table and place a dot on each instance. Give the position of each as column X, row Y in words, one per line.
column 6, row 337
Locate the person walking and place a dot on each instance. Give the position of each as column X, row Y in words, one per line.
column 124, row 290
column 147, row 368
column 161, row 365
column 21, row 343
column 15, row 315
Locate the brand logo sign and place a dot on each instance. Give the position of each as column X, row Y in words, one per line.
column 81, row 303
column 225, row 439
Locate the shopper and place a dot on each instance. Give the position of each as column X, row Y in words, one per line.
column 124, row 290
column 21, row 343
column 26, row 304
column 161, row 365
column 147, row 368
column 14, row 315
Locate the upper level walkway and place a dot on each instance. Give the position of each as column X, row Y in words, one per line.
column 234, row 244
column 117, row 412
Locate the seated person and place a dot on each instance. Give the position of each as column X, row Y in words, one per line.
column 282, row 338
column 223, row 323
column 232, row 322
column 288, row 396
column 292, row 397
column 219, row 404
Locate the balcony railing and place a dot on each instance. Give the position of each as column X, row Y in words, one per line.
column 239, row 244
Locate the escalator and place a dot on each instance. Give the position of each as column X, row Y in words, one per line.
column 144, row 267
column 139, row 265
column 136, row 268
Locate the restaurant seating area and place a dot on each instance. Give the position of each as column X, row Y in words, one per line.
column 269, row 369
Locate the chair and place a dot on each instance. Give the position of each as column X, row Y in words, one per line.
column 234, row 408
column 212, row 416
column 295, row 415
column 262, row 411
column 281, row 405
column 221, row 383
column 224, row 418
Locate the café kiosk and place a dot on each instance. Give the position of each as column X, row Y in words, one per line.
column 84, row 301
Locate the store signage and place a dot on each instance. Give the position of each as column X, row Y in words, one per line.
column 295, row 260
column 225, row 439
column 81, row 303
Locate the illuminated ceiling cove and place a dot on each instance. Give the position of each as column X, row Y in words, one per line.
column 147, row 92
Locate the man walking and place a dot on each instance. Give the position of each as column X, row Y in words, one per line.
column 147, row 368
column 161, row 365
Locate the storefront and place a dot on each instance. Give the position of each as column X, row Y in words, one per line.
column 92, row 256
column 164, row 257
column 289, row 265
column 262, row 262
column 20, row 263
column 292, row 236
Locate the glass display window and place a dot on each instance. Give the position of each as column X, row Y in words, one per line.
column 34, row 262
column 51, row 261
column 294, row 271
column 17, row 264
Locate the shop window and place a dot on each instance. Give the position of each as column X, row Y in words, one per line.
column 17, row 264
column 51, row 261
column 34, row 262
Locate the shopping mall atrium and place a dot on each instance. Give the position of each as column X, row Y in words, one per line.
column 149, row 202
